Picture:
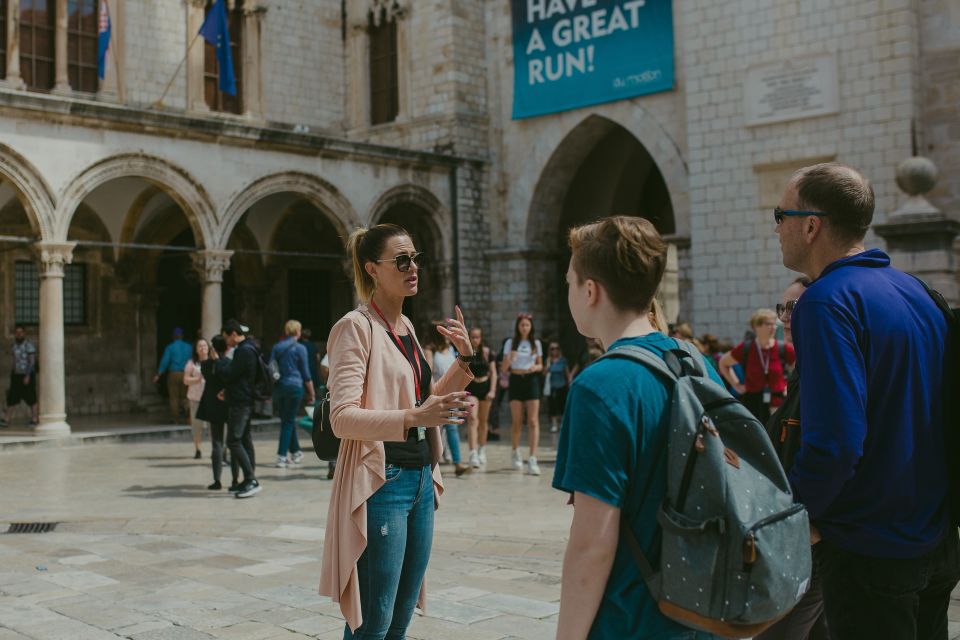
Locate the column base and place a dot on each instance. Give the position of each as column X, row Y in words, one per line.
column 55, row 426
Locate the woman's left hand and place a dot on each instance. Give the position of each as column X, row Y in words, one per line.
column 455, row 330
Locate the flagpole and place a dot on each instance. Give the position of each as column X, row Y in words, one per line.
column 116, row 66
column 159, row 103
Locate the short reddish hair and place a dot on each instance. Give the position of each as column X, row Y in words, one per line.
column 625, row 254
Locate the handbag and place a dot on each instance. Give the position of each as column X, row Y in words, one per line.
column 326, row 444
column 546, row 384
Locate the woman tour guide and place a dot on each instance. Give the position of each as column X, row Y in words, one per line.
column 387, row 410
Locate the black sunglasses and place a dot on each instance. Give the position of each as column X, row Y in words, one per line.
column 779, row 214
column 404, row 261
column 784, row 311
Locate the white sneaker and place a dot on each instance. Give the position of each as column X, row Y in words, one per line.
column 474, row 459
column 297, row 458
column 532, row 467
column 517, row 460
column 482, row 456
column 281, row 462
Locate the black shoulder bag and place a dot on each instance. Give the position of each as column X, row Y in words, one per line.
column 325, row 442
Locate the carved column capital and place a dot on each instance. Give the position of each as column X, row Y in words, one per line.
column 211, row 264
column 53, row 257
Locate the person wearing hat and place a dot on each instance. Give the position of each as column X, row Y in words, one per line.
column 176, row 355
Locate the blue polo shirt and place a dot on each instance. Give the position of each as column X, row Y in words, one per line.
column 175, row 357
column 871, row 468
column 614, row 428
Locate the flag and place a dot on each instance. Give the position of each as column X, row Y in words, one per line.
column 215, row 30
column 103, row 39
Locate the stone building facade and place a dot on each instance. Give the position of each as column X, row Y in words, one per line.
column 123, row 215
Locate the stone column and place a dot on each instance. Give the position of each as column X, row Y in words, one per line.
column 13, row 79
column 211, row 264
column 62, row 83
column 195, row 54
column 919, row 236
column 252, row 98
column 51, row 384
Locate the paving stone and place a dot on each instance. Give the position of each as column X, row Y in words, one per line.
column 79, row 580
column 515, row 605
column 314, row 625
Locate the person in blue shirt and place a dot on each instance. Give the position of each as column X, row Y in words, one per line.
column 614, row 425
column 871, row 468
column 291, row 357
column 176, row 355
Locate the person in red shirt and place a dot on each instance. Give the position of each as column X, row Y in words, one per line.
column 763, row 358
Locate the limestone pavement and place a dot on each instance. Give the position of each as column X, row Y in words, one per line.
column 143, row 551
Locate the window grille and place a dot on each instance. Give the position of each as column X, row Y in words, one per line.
column 384, row 74
column 27, row 294
column 37, row 43
column 82, row 27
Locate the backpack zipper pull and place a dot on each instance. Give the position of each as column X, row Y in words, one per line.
column 749, row 550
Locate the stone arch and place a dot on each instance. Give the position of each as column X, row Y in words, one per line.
column 438, row 218
column 326, row 197
column 185, row 190
column 569, row 146
column 32, row 190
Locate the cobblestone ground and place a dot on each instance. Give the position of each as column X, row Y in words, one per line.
column 144, row 551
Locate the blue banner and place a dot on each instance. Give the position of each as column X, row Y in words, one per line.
column 573, row 53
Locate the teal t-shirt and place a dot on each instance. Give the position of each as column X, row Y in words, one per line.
column 614, row 427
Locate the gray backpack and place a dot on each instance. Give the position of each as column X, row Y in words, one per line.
column 734, row 547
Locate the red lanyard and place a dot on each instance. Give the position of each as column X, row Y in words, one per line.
column 416, row 353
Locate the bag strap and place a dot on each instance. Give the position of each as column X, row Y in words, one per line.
column 676, row 363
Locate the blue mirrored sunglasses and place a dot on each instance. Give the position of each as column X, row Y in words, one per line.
column 779, row 214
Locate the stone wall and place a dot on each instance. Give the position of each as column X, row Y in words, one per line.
column 734, row 168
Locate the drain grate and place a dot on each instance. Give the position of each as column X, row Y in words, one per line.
column 32, row 527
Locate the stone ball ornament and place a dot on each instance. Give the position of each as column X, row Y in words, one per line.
column 917, row 175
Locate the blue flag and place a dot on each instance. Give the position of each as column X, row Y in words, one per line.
column 103, row 39
column 216, row 31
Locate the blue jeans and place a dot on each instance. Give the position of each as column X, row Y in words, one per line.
column 288, row 399
column 453, row 439
column 391, row 569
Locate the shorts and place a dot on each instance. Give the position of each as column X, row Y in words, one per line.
column 20, row 392
column 524, row 387
column 479, row 389
column 557, row 401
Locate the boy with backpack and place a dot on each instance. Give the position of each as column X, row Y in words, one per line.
column 651, row 542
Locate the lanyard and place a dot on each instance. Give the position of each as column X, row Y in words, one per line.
column 764, row 362
column 416, row 353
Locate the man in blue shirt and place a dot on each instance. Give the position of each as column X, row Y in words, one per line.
column 871, row 468
column 614, row 428
column 176, row 355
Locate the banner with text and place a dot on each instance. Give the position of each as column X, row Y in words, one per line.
column 573, row 53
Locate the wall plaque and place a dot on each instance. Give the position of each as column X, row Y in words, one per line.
column 794, row 89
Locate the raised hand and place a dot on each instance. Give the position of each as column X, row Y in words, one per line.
column 455, row 330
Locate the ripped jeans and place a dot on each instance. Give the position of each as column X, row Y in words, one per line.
column 391, row 569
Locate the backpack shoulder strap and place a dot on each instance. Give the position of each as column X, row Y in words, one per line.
column 644, row 357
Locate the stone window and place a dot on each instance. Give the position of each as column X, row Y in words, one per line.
column 82, row 26
column 27, row 294
column 37, row 43
column 384, row 72
column 216, row 99
column 3, row 38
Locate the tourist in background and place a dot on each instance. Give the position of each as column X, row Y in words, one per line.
column 291, row 359
column 482, row 390
column 213, row 410
column 558, row 379
column 194, row 381
column 23, row 379
column 524, row 362
column 444, row 357
column 173, row 362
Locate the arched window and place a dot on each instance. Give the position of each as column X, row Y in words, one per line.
column 216, row 99
column 37, row 43
column 384, row 72
column 82, row 23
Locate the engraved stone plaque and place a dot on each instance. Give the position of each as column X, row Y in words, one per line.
column 794, row 89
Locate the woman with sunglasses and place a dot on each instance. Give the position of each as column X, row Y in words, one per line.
column 524, row 362
column 386, row 408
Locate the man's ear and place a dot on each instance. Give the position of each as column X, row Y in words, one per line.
column 592, row 291
column 812, row 228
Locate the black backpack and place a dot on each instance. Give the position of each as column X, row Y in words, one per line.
column 263, row 381
column 951, row 399
column 784, row 425
column 326, row 444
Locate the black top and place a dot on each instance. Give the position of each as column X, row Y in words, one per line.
column 480, row 363
column 411, row 454
column 211, row 408
column 239, row 374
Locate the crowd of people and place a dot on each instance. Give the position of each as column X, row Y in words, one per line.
column 848, row 373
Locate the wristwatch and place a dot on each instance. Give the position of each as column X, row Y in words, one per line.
column 465, row 358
